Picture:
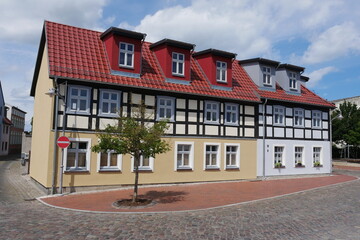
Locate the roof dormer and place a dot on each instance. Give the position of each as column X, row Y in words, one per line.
column 288, row 76
column 174, row 58
column 123, row 48
column 217, row 66
column 262, row 71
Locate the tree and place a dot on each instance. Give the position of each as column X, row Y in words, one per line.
column 132, row 135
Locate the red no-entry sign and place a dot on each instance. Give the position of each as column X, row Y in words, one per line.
column 63, row 142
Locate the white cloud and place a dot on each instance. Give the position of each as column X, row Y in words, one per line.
column 21, row 21
column 317, row 75
column 337, row 41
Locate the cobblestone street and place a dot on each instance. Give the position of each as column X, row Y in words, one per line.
column 331, row 212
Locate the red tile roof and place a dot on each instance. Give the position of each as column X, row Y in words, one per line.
column 78, row 53
column 7, row 121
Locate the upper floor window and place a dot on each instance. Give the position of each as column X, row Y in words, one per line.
column 109, row 102
column 298, row 117
column 231, row 113
column 316, row 119
column 266, row 76
column 211, row 112
column 221, row 71
column 279, row 115
column 178, row 63
column 165, row 108
column 79, row 100
column 126, row 56
column 292, row 80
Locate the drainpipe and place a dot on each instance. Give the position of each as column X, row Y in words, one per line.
column 331, row 143
column 63, row 134
column 264, row 132
column 53, row 186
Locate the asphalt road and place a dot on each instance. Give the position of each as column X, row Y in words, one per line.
column 332, row 212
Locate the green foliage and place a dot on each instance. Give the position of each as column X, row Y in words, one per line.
column 346, row 129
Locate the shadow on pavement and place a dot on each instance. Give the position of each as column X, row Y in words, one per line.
column 164, row 196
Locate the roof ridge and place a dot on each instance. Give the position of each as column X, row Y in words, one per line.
column 71, row 26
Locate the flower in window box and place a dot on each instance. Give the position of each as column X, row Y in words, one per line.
column 317, row 164
column 278, row 165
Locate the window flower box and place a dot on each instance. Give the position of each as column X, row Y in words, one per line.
column 279, row 165
column 317, row 164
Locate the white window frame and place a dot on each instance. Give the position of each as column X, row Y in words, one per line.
column 217, row 165
column 191, row 156
column 78, row 99
column 231, row 111
column 142, row 168
column 237, row 158
column 212, row 111
column 88, row 156
column 282, row 160
column 320, row 155
column 126, row 52
column 297, row 152
column 299, row 113
column 109, row 101
column 293, row 81
column 172, row 108
column 109, row 168
column 221, row 71
column 316, row 119
column 281, row 115
column 178, row 62
column 267, row 79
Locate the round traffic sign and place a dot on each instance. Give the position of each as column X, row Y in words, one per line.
column 63, row 142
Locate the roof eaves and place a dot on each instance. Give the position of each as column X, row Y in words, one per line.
column 216, row 52
column 291, row 67
column 261, row 61
column 123, row 32
column 174, row 43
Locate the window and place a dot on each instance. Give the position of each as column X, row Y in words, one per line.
column 211, row 112
column 184, row 155
column 221, row 68
column 299, row 156
column 292, row 80
column 298, row 117
column 165, row 108
column 317, row 156
column 278, row 115
column 146, row 164
column 126, row 56
column 178, row 63
column 212, row 156
column 79, row 100
column 266, row 76
column 231, row 113
column 109, row 161
column 109, row 102
column 78, row 155
column 278, row 156
column 316, row 119
column 232, row 156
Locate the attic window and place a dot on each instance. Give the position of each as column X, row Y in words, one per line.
column 221, row 71
column 178, row 63
column 267, row 76
column 292, row 80
column 126, row 56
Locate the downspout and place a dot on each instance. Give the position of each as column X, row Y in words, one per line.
column 53, row 186
column 264, row 132
column 63, row 134
column 331, row 142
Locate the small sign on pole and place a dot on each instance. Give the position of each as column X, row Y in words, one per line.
column 63, row 142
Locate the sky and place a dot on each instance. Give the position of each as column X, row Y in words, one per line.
column 321, row 35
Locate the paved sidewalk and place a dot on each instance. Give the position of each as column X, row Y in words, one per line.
column 346, row 165
column 187, row 197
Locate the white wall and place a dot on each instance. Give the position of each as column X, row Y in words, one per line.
column 288, row 157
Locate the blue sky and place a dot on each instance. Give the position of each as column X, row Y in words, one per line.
column 321, row 35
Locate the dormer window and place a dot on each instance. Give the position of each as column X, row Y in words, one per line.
column 292, row 80
column 221, row 71
column 267, row 76
column 126, row 56
column 178, row 63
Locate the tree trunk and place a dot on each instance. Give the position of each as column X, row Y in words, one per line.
column 136, row 163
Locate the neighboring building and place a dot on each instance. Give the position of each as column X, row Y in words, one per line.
column 26, row 143
column 354, row 100
column 5, row 125
column 214, row 103
column 17, row 118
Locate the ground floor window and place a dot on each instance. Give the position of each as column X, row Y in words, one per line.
column 212, row 156
column 232, row 156
column 317, row 156
column 299, row 156
column 184, row 155
column 77, row 155
column 278, row 156
column 146, row 164
column 109, row 161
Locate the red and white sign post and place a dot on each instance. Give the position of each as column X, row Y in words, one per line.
column 62, row 142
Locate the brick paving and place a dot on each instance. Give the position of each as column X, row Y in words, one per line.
column 326, row 213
